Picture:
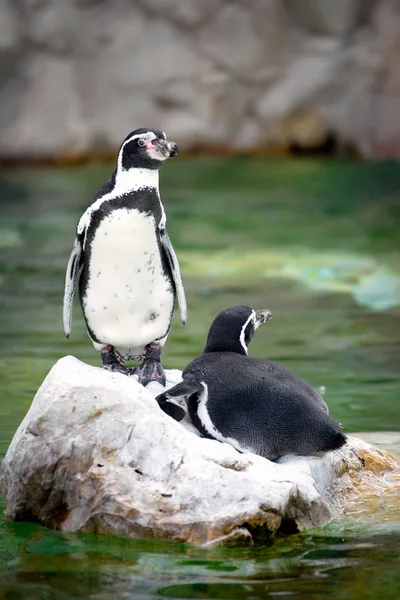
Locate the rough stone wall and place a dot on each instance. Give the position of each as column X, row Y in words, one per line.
column 77, row 75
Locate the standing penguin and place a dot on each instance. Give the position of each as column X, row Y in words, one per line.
column 254, row 404
column 129, row 273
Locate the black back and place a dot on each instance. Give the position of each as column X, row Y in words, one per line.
column 257, row 402
column 262, row 405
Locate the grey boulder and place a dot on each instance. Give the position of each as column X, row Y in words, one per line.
column 95, row 453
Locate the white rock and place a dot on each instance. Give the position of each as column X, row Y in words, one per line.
column 95, row 453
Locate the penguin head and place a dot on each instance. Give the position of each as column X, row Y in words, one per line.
column 233, row 329
column 145, row 149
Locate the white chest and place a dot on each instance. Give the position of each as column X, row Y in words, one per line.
column 123, row 237
column 129, row 299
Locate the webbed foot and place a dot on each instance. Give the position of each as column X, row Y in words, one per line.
column 112, row 362
column 151, row 370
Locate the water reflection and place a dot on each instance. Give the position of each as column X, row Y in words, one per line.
column 330, row 561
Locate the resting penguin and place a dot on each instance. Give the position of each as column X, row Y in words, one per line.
column 129, row 273
column 254, row 404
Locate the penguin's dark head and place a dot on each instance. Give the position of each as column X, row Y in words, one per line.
column 233, row 329
column 145, row 149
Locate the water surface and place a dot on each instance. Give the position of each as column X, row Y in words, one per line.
column 318, row 244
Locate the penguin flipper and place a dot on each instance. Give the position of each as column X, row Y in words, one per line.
column 176, row 274
column 71, row 277
column 172, row 409
column 183, row 389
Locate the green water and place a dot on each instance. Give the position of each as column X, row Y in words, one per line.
column 315, row 242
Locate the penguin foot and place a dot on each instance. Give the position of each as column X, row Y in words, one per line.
column 151, row 370
column 112, row 362
column 117, row 368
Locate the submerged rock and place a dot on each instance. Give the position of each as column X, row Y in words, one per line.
column 95, row 453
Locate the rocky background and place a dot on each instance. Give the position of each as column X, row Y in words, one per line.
column 244, row 75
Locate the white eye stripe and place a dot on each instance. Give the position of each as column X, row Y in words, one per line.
column 145, row 136
column 138, row 136
column 243, row 331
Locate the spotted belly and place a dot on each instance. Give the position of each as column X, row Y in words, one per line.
column 128, row 297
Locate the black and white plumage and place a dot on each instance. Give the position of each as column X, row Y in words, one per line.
column 254, row 404
column 129, row 273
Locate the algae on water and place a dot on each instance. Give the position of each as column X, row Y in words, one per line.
column 369, row 282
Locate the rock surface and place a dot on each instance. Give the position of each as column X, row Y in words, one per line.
column 232, row 74
column 95, row 453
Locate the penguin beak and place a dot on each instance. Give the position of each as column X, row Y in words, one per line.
column 173, row 149
column 262, row 316
column 164, row 149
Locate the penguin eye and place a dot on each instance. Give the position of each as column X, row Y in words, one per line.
column 141, row 142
